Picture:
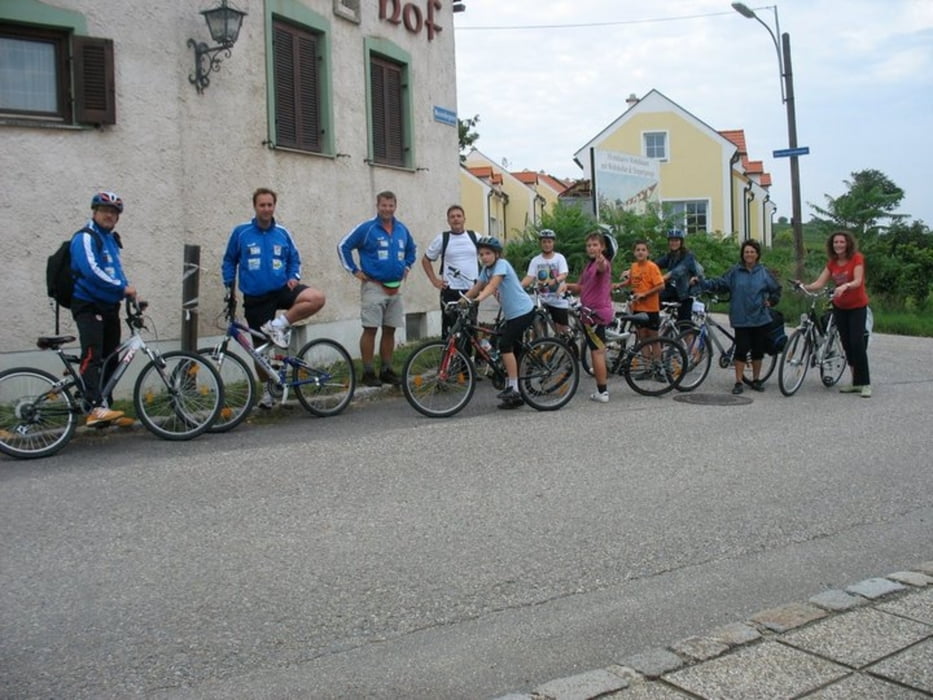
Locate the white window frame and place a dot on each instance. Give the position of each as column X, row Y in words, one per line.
column 667, row 145
column 676, row 212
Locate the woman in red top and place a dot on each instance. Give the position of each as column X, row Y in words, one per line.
column 846, row 268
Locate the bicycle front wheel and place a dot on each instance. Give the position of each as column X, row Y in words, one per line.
column 795, row 361
column 179, row 395
column 239, row 389
column 324, row 379
column 548, row 374
column 655, row 366
column 699, row 359
column 438, row 380
column 36, row 420
column 833, row 364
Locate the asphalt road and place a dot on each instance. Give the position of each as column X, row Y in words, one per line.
column 383, row 554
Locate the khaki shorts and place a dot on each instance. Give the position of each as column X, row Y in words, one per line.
column 377, row 308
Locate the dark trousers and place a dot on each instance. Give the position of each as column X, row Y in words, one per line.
column 446, row 321
column 851, row 325
column 99, row 330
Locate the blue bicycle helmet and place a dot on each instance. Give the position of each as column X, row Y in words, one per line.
column 675, row 233
column 490, row 242
column 107, row 199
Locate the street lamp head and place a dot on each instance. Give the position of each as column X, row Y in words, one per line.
column 744, row 10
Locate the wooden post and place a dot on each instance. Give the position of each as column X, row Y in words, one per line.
column 190, row 285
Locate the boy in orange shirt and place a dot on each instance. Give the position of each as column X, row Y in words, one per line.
column 647, row 282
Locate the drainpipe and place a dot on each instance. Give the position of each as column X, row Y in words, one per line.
column 732, row 217
column 767, row 232
column 489, row 211
column 747, row 209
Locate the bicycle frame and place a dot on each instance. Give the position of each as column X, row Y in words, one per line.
column 124, row 353
column 242, row 334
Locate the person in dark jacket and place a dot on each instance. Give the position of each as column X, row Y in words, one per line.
column 753, row 291
column 100, row 286
column 679, row 266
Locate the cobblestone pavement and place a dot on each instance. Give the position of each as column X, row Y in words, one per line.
column 874, row 639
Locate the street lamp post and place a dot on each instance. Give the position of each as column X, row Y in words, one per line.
column 787, row 95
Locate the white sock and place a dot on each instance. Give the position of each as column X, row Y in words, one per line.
column 280, row 322
column 513, row 383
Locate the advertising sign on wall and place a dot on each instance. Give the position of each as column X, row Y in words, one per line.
column 625, row 181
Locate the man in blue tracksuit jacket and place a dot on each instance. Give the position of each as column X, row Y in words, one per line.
column 262, row 256
column 386, row 253
column 100, row 286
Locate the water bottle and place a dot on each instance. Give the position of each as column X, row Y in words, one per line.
column 489, row 349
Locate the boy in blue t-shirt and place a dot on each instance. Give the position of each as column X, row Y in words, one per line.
column 498, row 277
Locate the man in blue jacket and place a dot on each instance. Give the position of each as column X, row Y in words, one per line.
column 386, row 253
column 262, row 256
column 100, row 286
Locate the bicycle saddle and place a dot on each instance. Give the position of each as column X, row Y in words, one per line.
column 54, row 342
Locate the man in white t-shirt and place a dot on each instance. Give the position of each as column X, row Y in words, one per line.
column 547, row 273
column 456, row 248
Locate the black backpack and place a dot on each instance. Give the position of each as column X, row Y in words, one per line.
column 59, row 279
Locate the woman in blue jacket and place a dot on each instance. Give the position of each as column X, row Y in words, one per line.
column 754, row 290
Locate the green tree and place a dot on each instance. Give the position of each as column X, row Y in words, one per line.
column 467, row 137
column 866, row 209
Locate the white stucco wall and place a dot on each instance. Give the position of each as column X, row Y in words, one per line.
column 186, row 164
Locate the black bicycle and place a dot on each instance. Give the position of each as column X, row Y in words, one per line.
column 178, row 395
column 440, row 376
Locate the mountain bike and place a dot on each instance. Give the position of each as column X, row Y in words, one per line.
column 651, row 367
column 701, row 343
column 439, row 377
column 814, row 343
column 177, row 396
column 321, row 373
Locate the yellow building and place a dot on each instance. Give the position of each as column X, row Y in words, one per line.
column 705, row 179
column 503, row 203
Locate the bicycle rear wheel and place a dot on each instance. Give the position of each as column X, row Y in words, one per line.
column 655, row 366
column 239, row 389
column 699, row 359
column 548, row 374
column 179, row 395
column 833, row 365
column 35, row 420
column 324, row 381
column 795, row 361
column 437, row 380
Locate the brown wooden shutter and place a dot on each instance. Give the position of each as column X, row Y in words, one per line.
column 387, row 112
column 297, row 88
column 94, row 82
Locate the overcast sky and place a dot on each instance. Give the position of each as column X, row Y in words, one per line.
column 863, row 78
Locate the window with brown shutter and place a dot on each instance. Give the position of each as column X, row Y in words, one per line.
column 50, row 75
column 297, row 88
column 388, row 118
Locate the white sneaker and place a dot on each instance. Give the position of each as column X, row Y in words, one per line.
column 101, row 415
column 279, row 336
column 267, row 400
column 600, row 396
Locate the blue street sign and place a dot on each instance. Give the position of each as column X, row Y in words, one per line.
column 788, row 152
column 445, row 116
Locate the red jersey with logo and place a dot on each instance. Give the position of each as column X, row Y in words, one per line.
column 842, row 273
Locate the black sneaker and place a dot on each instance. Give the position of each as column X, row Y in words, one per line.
column 758, row 385
column 370, row 379
column 388, row 376
column 737, row 389
column 511, row 399
column 505, row 393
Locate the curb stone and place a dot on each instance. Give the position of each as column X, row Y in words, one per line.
column 901, row 673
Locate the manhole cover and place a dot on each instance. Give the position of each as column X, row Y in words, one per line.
column 713, row 399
